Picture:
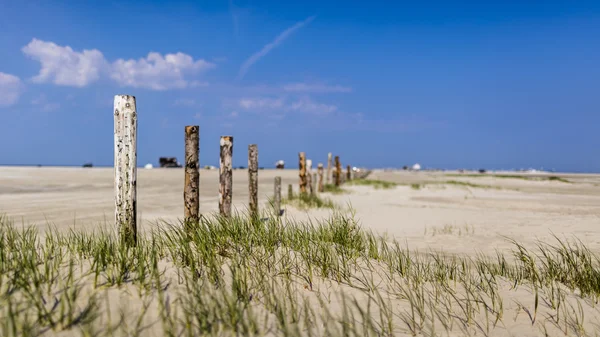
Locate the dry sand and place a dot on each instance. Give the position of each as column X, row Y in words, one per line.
column 453, row 218
column 425, row 211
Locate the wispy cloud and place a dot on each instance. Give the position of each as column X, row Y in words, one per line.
column 279, row 107
column 309, row 106
column 260, row 103
column 316, row 88
column 64, row 66
column 11, row 88
column 43, row 105
column 234, row 17
column 270, row 46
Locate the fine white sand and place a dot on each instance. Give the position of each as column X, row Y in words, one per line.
column 428, row 211
column 439, row 216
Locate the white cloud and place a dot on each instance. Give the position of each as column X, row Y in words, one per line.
column 11, row 88
column 268, row 47
column 316, row 88
column 63, row 65
column 260, row 103
column 157, row 72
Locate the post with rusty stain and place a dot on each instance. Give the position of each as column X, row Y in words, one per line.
column 253, row 180
column 125, row 167
column 348, row 173
column 277, row 196
column 302, row 166
column 320, row 172
column 328, row 179
column 225, row 176
column 191, row 192
column 338, row 171
column 290, row 192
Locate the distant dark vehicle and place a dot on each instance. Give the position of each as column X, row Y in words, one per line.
column 241, row 167
column 405, row 167
column 168, row 162
column 88, row 165
column 280, row 165
column 482, row 171
column 261, row 168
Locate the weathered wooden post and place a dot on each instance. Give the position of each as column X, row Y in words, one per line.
column 320, row 172
column 338, row 171
column 191, row 192
column 328, row 179
column 348, row 173
column 253, row 179
column 302, row 166
column 309, row 177
column 125, row 167
column 277, row 197
column 225, row 176
column 290, row 192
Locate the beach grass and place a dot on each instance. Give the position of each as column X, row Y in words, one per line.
column 377, row 184
column 306, row 201
column 236, row 276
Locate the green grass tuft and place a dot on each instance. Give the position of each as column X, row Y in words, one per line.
column 308, row 201
column 331, row 188
column 377, row 184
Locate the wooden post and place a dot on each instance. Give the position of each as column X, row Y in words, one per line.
column 309, row 180
column 348, row 173
column 320, row 172
column 277, row 197
column 191, row 192
column 225, row 176
column 125, row 167
column 338, row 171
column 290, row 192
column 314, row 183
column 302, row 166
column 253, row 179
column 328, row 179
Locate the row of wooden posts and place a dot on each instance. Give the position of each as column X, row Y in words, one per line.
column 125, row 170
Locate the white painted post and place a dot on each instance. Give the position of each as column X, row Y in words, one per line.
column 125, row 167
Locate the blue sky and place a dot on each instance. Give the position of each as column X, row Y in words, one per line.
column 506, row 84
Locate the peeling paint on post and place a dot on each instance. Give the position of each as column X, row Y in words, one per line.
column 328, row 179
column 302, row 166
column 125, row 167
column 225, row 176
column 277, row 197
column 253, row 179
column 191, row 192
column 320, row 172
column 348, row 173
column 338, row 171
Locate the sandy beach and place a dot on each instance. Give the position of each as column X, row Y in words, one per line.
column 460, row 215
column 428, row 210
